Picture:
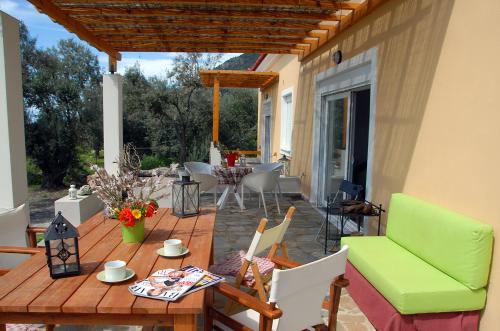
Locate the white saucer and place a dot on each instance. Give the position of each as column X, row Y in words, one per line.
column 161, row 252
column 129, row 273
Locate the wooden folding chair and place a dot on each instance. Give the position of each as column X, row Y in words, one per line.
column 263, row 239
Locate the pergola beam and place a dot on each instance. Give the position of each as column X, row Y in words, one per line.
column 199, row 22
column 306, row 4
column 62, row 18
column 84, row 11
column 364, row 9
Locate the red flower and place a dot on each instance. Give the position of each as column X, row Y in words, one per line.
column 126, row 216
column 150, row 210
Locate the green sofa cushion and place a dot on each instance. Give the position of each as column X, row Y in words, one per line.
column 410, row 284
column 455, row 244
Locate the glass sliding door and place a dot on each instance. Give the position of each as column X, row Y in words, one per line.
column 336, row 115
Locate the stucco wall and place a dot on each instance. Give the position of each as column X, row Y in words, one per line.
column 288, row 68
column 436, row 130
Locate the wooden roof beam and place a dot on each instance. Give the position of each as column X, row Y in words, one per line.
column 306, row 4
column 200, row 22
column 84, row 11
column 364, row 9
column 227, row 31
column 196, row 49
column 62, row 18
column 196, row 39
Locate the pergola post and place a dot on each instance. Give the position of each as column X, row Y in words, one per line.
column 216, row 112
column 13, row 178
column 112, row 121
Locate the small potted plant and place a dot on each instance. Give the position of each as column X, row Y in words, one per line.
column 127, row 196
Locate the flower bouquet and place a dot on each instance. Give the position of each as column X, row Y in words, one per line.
column 127, row 197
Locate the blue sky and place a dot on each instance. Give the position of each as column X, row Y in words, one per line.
column 49, row 33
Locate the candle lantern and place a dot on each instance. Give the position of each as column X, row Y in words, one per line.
column 285, row 171
column 61, row 245
column 185, row 197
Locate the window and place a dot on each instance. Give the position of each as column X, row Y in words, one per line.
column 286, row 122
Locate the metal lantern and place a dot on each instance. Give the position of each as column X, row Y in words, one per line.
column 286, row 165
column 185, row 197
column 61, row 246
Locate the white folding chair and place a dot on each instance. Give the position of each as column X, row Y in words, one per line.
column 207, row 183
column 261, row 182
column 295, row 301
column 198, row 167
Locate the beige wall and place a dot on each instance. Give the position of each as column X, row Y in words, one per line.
column 288, row 68
column 437, row 130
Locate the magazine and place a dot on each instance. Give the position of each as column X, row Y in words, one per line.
column 171, row 284
column 166, row 284
column 208, row 279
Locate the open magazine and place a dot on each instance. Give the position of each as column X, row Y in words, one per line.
column 171, row 284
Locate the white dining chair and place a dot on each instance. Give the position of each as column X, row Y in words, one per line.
column 198, row 167
column 207, row 183
column 264, row 167
column 295, row 302
column 261, row 182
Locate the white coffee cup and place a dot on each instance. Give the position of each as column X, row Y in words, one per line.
column 115, row 270
column 172, row 247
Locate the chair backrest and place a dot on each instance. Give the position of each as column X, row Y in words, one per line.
column 13, row 223
column 265, row 181
column 299, row 292
column 353, row 190
column 276, row 166
column 264, row 239
column 207, row 182
column 199, row 167
column 458, row 245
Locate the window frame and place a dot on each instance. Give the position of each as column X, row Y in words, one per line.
column 286, row 121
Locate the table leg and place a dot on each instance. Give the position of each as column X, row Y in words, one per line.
column 223, row 198
column 185, row 322
column 239, row 200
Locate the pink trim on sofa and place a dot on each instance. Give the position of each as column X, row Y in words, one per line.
column 385, row 317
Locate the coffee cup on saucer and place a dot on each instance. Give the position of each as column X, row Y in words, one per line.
column 115, row 270
column 172, row 247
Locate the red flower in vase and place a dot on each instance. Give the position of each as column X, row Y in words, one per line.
column 127, row 217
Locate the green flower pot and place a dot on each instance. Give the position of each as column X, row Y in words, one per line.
column 133, row 234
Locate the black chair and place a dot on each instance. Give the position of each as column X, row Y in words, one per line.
column 346, row 191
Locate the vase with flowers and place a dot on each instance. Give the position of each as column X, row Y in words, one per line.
column 127, row 196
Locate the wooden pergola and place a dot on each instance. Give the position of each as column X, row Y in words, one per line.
column 221, row 26
column 235, row 79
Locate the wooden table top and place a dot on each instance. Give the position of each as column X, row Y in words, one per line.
column 28, row 288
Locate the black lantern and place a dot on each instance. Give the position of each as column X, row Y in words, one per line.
column 185, row 197
column 61, row 245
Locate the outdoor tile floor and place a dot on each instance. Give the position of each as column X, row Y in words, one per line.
column 234, row 230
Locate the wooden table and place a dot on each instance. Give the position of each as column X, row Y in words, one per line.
column 29, row 295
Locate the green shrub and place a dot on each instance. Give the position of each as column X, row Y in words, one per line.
column 149, row 162
column 34, row 172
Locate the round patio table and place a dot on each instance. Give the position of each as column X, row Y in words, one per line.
column 230, row 176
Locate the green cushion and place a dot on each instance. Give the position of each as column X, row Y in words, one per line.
column 455, row 244
column 410, row 284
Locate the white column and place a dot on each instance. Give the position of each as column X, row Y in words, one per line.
column 13, row 178
column 112, row 120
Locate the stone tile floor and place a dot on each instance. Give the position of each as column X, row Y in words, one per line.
column 234, row 230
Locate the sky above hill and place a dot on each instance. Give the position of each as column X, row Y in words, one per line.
column 49, row 33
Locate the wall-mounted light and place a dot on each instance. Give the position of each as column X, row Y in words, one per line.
column 337, row 57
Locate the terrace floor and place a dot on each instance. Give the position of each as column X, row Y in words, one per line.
column 234, row 230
